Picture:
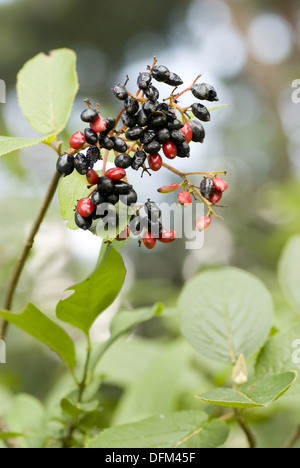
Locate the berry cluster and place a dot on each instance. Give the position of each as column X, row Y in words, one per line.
column 143, row 128
column 149, row 227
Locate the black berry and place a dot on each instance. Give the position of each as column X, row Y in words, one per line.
column 105, row 142
column 207, row 187
column 148, row 136
column 123, row 160
column 119, row 144
column 93, row 155
column 144, row 80
column 152, row 93
column 89, row 115
column 163, row 135
column 131, row 105
column 120, row 92
column 130, row 198
column 142, row 118
column 177, row 136
column 134, row 133
column 65, row 164
column 112, row 198
column 160, row 73
column 150, row 106
column 81, row 163
column 174, row 80
column 201, row 112
column 198, row 131
column 183, row 150
column 110, row 123
column 152, row 147
column 105, row 184
column 128, row 120
column 152, row 210
column 158, row 120
column 90, row 136
column 138, row 160
column 122, row 188
column 97, row 197
column 83, row 223
column 204, row 91
column 154, row 227
column 175, row 125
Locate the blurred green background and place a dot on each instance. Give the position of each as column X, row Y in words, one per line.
column 249, row 51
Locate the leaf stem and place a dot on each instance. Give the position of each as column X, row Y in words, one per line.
column 82, row 384
column 67, row 440
column 173, row 169
column 15, row 276
column 194, row 189
column 205, row 173
column 244, row 426
column 105, row 159
column 293, row 438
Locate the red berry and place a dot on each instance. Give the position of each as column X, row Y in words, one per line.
column 168, row 188
column 170, row 149
column 184, row 198
column 92, row 177
column 77, row 140
column 116, row 173
column 216, row 196
column 99, row 124
column 203, row 223
column 220, row 184
column 187, row 131
column 167, row 236
column 85, row 207
column 123, row 234
column 155, row 162
column 148, row 240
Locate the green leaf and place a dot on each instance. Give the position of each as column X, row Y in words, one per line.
column 26, row 415
column 214, row 434
column 122, row 323
column 225, row 313
column 46, row 87
column 281, row 353
column 10, row 144
column 73, row 188
column 38, row 325
column 70, row 190
column 158, row 388
column 289, row 272
column 74, row 409
column 161, row 431
column 91, row 297
column 127, row 319
column 257, row 392
column 116, row 365
column 10, row 435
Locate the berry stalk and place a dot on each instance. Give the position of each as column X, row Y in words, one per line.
column 16, row 274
